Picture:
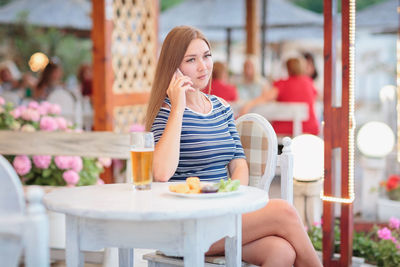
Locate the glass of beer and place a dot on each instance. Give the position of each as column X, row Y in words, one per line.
column 142, row 149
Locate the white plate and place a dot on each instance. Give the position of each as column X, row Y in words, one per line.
column 206, row 195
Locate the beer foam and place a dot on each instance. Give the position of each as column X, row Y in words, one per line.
column 147, row 149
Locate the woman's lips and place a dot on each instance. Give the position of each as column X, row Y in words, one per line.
column 202, row 77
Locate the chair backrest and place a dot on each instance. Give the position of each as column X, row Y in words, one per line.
column 21, row 228
column 260, row 145
column 12, row 97
column 261, row 148
column 295, row 112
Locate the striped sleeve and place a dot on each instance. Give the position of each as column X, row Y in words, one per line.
column 159, row 124
column 239, row 153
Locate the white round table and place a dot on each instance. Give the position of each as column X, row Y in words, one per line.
column 115, row 215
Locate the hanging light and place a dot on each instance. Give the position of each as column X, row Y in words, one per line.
column 38, row 61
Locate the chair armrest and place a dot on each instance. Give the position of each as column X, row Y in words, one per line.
column 285, row 161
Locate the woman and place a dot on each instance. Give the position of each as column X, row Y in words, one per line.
column 48, row 81
column 219, row 83
column 195, row 135
column 296, row 88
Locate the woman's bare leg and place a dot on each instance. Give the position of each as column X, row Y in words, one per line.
column 271, row 251
column 277, row 218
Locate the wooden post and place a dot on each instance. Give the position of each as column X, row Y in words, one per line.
column 103, row 74
column 338, row 133
column 252, row 28
column 109, row 96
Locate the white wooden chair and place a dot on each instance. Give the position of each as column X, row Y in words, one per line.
column 22, row 229
column 10, row 96
column 285, row 111
column 260, row 145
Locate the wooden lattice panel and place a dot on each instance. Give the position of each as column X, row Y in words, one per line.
column 126, row 116
column 134, row 41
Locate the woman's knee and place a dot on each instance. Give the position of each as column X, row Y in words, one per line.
column 283, row 253
column 284, row 209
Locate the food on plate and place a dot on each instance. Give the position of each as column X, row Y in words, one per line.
column 194, row 186
column 180, row 188
column 209, row 188
column 228, row 186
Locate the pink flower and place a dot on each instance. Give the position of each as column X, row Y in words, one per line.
column 44, row 108
column 136, row 128
column 42, row 162
column 30, row 115
column 16, row 113
column 22, row 164
column 75, row 163
column 2, row 101
column 385, row 233
column 71, row 177
column 316, row 224
column 99, row 181
column 48, row 124
column 105, row 162
column 33, row 105
column 394, row 223
column 55, row 109
column 62, row 162
column 61, row 123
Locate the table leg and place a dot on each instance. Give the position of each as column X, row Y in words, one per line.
column 74, row 256
column 233, row 245
column 193, row 252
column 125, row 256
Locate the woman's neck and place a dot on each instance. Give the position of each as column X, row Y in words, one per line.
column 193, row 97
column 196, row 101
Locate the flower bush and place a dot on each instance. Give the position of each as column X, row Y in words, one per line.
column 391, row 187
column 44, row 169
column 380, row 246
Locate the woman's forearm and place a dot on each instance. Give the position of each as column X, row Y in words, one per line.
column 166, row 152
column 239, row 171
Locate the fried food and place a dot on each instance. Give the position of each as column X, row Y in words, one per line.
column 192, row 186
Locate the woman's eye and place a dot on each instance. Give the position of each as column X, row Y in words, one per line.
column 208, row 55
column 190, row 60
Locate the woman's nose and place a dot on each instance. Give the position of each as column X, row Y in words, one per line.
column 201, row 65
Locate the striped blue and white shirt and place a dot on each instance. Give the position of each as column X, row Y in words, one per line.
column 208, row 141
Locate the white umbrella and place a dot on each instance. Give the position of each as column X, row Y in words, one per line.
column 69, row 14
column 214, row 16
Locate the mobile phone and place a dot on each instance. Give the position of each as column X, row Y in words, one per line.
column 179, row 72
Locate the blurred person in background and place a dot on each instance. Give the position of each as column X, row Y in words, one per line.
column 50, row 79
column 7, row 81
column 251, row 85
column 310, row 69
column 85, row 77
column 298, row 87
column 219, row 84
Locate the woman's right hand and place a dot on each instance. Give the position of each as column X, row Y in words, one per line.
column 176, row 91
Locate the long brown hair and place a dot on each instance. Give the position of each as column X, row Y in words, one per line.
column 172, row 53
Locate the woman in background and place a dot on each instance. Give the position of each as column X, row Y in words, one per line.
column 49, row 80
column 219, row 84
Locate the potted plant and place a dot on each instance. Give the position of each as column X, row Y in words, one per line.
column 380, row 246
column 44, row 170
column 389, row 202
